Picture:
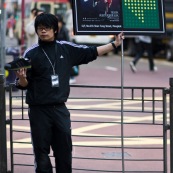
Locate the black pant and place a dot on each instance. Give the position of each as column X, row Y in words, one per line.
column 140, row 48
column 51, row 127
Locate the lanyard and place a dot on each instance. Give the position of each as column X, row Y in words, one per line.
column 53, row 66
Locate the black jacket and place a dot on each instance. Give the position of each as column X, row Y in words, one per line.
column 39, row 88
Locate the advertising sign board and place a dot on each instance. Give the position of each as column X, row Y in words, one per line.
column 105, row 17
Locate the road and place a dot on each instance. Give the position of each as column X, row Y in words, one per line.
column 108, row 70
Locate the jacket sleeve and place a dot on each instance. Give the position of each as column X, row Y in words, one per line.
column 81, row 54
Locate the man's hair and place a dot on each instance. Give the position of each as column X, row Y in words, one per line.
column 48, row 20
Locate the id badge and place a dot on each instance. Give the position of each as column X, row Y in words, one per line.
column 55, row 80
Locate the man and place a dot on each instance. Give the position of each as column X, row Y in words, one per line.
column 108, row 5
column 109, row 2
column 47, row 84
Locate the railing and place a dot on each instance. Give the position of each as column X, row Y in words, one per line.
column 3, row 147
column 97, row 130
column 101, row 142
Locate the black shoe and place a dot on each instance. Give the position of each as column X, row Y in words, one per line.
column 154, row 69
column 17, row 64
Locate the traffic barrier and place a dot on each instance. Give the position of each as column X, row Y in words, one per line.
column 3, row 147
column 116, row 148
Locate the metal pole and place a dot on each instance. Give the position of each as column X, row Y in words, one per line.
column 2, row 35
column 122, row 105
column 3, row 145
column 171, row 124
column 23, row 26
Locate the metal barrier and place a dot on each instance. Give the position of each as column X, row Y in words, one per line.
column 101, row 142
column 147, row 110
column 171, row 123
column 3, row 147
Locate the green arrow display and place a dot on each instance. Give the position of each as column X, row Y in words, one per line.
column 140, row 14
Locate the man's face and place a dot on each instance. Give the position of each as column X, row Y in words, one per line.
column 45, row 33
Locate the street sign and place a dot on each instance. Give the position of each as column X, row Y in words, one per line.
column 105, row 17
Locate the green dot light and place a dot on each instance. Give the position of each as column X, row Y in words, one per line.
column 141, row 14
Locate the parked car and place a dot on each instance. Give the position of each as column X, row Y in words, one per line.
column 92, row 39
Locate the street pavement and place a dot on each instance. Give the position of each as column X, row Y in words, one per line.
column 109, row 70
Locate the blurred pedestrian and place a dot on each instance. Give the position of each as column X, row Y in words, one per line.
column 143, row 43
column 63, row 31
column 33, row 13
column 31, row 35
column 63, row 35
column 11, row 22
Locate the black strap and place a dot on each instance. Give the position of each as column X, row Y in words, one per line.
column 113, row 45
